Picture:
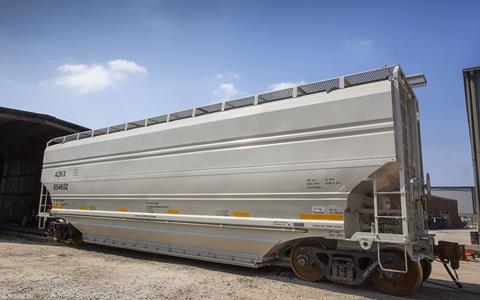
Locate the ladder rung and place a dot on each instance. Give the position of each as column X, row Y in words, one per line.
column 389, row 193
column 390, row 217
column 386, row 211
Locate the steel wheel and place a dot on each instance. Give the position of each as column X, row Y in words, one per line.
column 398, row 284
column 304, row 266
column 426, row 269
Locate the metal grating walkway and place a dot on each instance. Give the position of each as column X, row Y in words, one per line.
column 293, row 92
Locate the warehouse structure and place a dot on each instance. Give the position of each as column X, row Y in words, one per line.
column 23, row 136
column 464, row 195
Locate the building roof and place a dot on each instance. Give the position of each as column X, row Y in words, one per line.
column 10, row 115
column 20, row 129
column 439, row 198
column 471, row 69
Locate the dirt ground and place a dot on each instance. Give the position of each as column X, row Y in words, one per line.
column 39, row 270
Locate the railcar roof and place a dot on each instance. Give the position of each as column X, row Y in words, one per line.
column 324, row 86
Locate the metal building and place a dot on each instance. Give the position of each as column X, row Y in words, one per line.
column 471, row 78
column 464, row 195
column 23, row 136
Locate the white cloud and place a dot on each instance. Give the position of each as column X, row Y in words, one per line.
column 285, row 85
column 91, row 78
column 226, row 90
column 84, row 78
column 121, row 65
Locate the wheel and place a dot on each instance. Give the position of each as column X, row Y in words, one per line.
column 304, row 266
column 426, row 269
column 398, row 284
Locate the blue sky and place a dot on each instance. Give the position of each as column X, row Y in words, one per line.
column 99, row 63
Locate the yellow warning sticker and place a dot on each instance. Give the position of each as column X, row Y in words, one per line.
column 330, row 217
column 243, row 214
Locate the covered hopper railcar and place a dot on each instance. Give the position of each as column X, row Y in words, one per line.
column 325, row 177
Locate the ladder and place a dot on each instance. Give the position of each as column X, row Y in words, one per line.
column 44, row 207
column 377, row 216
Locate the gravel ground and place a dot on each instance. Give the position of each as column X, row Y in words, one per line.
column 38, row 270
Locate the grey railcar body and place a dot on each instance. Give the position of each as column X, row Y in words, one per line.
column 238, row 183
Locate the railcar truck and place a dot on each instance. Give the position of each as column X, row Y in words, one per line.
column 325, row 178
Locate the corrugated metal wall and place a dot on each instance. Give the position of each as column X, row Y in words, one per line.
column 464, row 195
column 19, row 187
column 472, row 93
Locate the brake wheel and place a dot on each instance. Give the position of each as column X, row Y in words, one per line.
column 398, row 284
column 305, row 266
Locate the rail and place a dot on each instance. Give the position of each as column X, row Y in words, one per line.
column 417, row 80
